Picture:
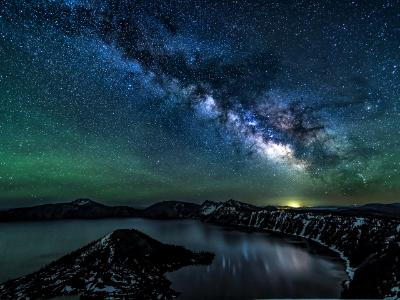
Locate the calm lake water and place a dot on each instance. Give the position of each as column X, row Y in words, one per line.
column 246, row 266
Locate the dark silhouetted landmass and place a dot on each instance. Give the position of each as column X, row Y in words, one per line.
column 125, row 264
column 366, row 237
column 78, row 209
column 374, row 209
column 171, row 210
column 88, row 209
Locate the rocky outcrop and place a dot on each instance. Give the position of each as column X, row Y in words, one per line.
column 124, row 264
column 369, row 245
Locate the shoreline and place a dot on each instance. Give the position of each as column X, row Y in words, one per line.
column 314, row 246
column 293, row 241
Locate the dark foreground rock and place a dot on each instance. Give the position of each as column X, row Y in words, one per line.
column 124, row 264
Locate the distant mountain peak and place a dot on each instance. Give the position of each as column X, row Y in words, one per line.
column 210, row 207
column 82, row 202
column 239, row 204
column 209, row 202
column 232, row 201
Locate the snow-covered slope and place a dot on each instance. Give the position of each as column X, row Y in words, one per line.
column 124, row 264
column 369, row 245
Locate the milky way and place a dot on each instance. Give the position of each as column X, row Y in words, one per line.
column 140, row 101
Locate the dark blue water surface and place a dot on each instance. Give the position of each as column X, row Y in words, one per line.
column 247, row 265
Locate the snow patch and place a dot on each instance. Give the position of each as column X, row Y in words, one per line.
column 394, row 290
column 209, row 210
column 107, row 288
column 359, row 222
column 67, row 289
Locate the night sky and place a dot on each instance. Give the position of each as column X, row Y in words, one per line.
column 134, row 102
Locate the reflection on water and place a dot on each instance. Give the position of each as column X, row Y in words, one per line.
column 246, row 265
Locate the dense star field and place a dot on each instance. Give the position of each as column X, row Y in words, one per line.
column 139, row 101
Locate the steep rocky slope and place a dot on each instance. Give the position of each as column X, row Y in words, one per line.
column 124, row 264
column 369, row 245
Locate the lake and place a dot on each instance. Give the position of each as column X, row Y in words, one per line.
column 246, row 266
